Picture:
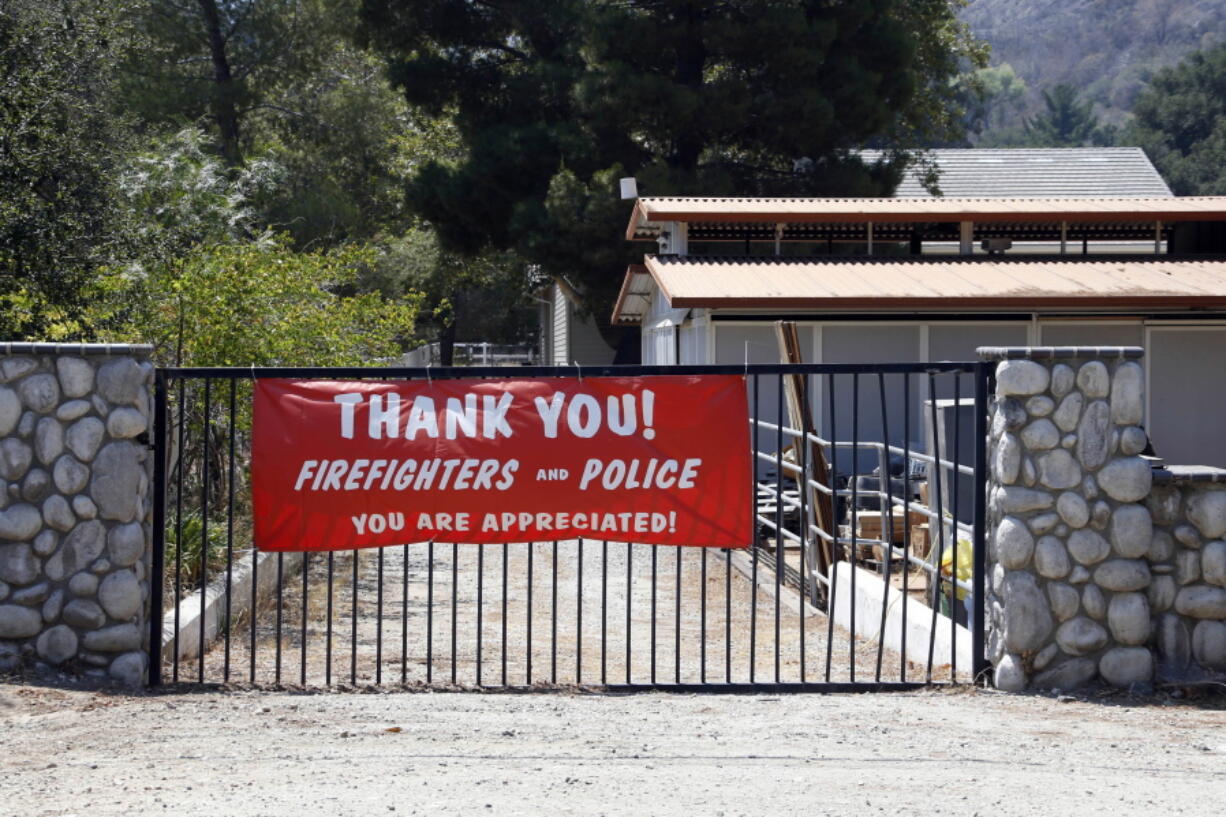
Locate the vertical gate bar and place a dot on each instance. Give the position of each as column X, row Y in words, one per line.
column 978, row 651
column 353, row 623
column 802, row 590
column 831, row 595
column 280, row 609
column 855, row 523
column 935, row 578
column 604, row 610
column 179, row 480
column 702, row 623
column 727, row 617
column 553, row 623
column 906, row 512
column 480, row 604
column 887, row 529
column 506, row 558
column 455, row 599
column 204, row 521
column 378, row 622
column 404, row 618
column 677, row 630
column 956, row 489
column 579, row 615
column 430, row 612
column 302, row 657
column 328, row 625
column 230, row 526
column 157, row 567
column 654, row 584
column 528, row 668
column 255, row 586
column 779, row 538
column 629, row 596
column 753, row 584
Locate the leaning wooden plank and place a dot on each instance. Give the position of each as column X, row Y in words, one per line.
column 801, row 418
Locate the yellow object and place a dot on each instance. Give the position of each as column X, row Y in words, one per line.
column 966, row 564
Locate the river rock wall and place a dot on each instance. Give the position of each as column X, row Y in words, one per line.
column 75, row 508
column 1101, row 566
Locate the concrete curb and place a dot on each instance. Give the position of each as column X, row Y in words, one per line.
column 215, row 601
column 870, row 590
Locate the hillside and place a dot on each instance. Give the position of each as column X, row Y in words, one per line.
column 1106, row 48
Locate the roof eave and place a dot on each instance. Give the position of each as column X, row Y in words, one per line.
column 946, row 303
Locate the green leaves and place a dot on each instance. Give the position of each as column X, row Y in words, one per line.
column 60, row 144
column 1181, row 123
column 1065, row 122
column 552, row 100
column 258, row 303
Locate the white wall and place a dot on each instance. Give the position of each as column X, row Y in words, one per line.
column 559, row 328
column 572, row 339
column 1186, row 365
column 1186, row 414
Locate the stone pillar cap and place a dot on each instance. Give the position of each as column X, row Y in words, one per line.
column 1057, row 352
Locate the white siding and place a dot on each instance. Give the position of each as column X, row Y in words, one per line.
column 1091, row 333
column 1187, row 394
column 560, row 335
column 660, row 332
column 693, row 338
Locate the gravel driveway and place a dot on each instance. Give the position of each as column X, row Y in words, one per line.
column 262, row 753
column 552, row 615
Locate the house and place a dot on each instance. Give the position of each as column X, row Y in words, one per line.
column 1031, row 173
column 567, row 337
column 857, row 276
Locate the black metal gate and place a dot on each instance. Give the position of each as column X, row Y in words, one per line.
column 838, row 592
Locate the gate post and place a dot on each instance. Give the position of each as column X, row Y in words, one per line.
column 158, row 544
column 1067, row 527
column 979, row 668
column 76, row 577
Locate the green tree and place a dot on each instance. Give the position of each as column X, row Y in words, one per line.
column 212, row 286
column 554, row 100
column 224, row 61
column 1181, row 123
column 60, row 148
column 281, row 80
column 993, row 95
column 256, row 303
column 1066, row 122
column 476, row 298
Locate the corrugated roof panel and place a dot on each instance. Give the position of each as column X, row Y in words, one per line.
column 1021, row 210
column 944, row 283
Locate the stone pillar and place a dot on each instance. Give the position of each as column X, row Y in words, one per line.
column 1188, row 558
column 1069, row 530
column 75, row 507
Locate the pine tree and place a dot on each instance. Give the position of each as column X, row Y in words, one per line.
column 555, row 100
column 1066, row 122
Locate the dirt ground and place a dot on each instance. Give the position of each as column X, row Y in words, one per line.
column 961, row 752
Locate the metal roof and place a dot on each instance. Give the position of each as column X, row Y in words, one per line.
column 1119, row 172
column 634, row 299
column 650, row 213
column 932, row 283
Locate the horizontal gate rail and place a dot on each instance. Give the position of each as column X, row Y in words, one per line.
column 590, row 613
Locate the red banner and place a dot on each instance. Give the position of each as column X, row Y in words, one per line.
column 350, row 464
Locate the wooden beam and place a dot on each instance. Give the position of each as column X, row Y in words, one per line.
column 796, row 389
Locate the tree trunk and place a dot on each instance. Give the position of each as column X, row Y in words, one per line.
column 446, row 344
column 225, row 113
column 691, row 60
